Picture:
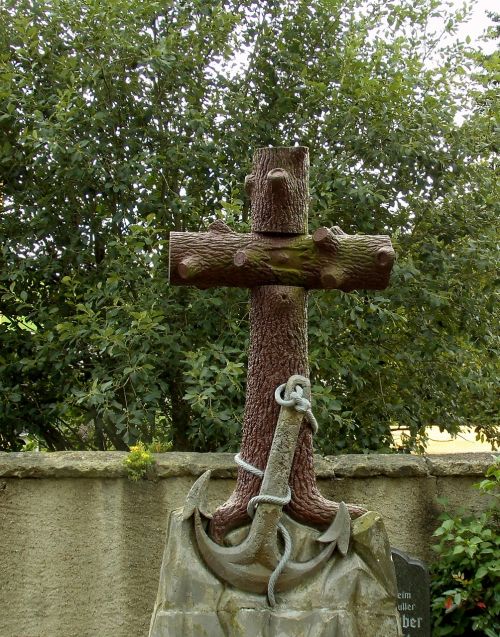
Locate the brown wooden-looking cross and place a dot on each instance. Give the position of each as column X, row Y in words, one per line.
column 279, row 262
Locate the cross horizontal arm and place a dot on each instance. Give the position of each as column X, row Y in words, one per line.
column 329, row 259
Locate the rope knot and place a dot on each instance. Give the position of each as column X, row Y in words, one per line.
column 299, row 402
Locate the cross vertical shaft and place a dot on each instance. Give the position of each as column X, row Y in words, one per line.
column 279, row 261
column 279, row 192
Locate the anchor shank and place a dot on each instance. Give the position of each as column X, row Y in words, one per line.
column 280, row 459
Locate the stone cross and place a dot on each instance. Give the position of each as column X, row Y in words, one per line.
column 279, row 261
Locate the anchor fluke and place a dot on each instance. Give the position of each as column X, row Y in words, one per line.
column 196, row 497
column 339, row 530
column 249, row 565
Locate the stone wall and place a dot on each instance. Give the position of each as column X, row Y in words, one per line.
column 81, row 546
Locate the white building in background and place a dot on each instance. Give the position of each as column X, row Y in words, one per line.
column 444, row 442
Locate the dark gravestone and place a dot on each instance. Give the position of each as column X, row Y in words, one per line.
column 413, row 595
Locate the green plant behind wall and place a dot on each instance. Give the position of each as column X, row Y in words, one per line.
column 465, row 582
column 138, row 461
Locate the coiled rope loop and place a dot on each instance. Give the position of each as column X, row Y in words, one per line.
column 256, row 500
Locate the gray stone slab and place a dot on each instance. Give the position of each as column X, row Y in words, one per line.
column 263, row 623
column 109, row 464
column 413, row 583
column 353, row 596
column 459, row 464
column 367, row 465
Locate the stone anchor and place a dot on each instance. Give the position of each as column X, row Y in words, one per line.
column 257, row 564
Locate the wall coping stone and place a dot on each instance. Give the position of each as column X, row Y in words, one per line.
column 109, row 464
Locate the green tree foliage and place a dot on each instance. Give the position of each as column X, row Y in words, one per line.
column 121, row 121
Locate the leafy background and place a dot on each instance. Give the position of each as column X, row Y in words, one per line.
column 121, row 121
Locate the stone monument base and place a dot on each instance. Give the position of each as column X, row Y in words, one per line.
column 353, row 596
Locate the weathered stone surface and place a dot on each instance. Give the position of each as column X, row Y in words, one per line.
column 169, row 465
column 109, row 464
column 414, row 607
column 361, row 466
column 83, row 548
column 63, row 464
column 75, row 556
column 354, row 596
column 459, row 464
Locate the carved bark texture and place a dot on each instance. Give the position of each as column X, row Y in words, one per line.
column 279, row 190
column 278, row 349
column 278, row 261
column 326, row 260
